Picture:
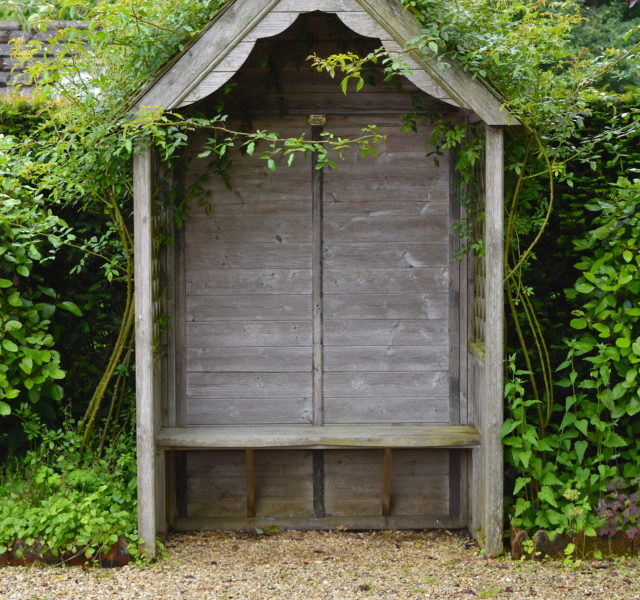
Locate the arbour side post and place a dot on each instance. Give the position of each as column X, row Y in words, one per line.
column 145, row 418
column 492, row 413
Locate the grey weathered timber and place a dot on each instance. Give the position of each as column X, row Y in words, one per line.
column 407, row 410
column 492, row 462
column 145, row 408
column 201, row 70
column 317, row 316
column 326, row 436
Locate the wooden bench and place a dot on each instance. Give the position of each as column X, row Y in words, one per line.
column 324, row 437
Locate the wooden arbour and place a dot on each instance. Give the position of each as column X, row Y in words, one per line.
column 164, row 432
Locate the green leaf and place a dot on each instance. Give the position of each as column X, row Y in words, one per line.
column 546, row 495
column 585, row 288
column 623, row 342
column 14, row 299
column 521, row 506
column 613, row 440
column 72, row 307
column 580, row 448
column 5, row 283
column 5, row 409
column 520, row 483
column 508, row 426
column 582, row 425
column 628, row 256
column 12, row 325
column 579, row 323
column 9, row 346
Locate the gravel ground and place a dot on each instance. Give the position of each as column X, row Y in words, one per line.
column 295, row 565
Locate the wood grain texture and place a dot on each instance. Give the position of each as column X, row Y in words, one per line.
column 385, row 281
column 394, row 308
column 250, row 333
column 145, row 368
column 492, row 475
column 386, row 358
column 248, row 385
column 248, row 281
column 250, row 307
column 391, row 385
column 216, row 484
column 373, row 254
column 326, row 436
column 253, row 358
column 249, row 411
column 360, row 411
column 248, row 255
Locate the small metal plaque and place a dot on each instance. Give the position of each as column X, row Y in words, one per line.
column 316, row 120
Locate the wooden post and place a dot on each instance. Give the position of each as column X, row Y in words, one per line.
column 143, row 254
column 492, row 412
column 251, row 489
column 386, row 482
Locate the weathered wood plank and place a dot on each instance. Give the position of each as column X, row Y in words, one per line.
column 386, row 358
column 251, row 491
column 382, row 410
column 420, row 482
column 348, row 332
column 252, row 333
column 326, row 436
column 283, row 482
column 261, row 307
column 271, row 24
column 248, row 385
column 248, row 256
column 364, row 385
column 317, row 315
column 385, row 281
column 386, row 482
column 346, row 471
column 145, row 362
column 391, row 307
column 216, row 484
column 248, row 411
column 284, row 228
column 492, row 412
column 248, row 281
column 378, row 205
column 370, row 228
column 249, row 202
column 313, row 5
column 378, row 255
column 241, row 359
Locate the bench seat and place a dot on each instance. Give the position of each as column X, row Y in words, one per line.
column 319, row 437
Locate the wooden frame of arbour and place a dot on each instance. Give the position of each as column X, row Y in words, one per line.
column 326, row 361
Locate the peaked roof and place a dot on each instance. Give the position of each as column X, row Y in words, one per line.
column 227, row 41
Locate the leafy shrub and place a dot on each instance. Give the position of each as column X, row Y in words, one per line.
column 30, row 234
column 567, row 473
column 71, row 501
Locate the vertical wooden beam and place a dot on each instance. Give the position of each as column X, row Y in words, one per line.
column 317, row 193
column 492, row 412
column 251, row 489
column 143, row 256
column 318, row 483
column 182, row 481
column 454, row 294
column 387, row 469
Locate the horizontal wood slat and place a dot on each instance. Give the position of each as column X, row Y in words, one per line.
column 325, row 436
